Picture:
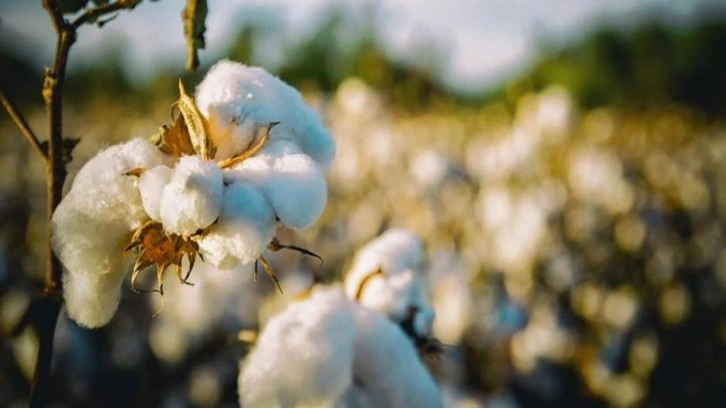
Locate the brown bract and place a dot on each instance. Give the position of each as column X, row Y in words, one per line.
column 156, row 247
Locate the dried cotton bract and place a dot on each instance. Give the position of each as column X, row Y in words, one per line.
column 246, row 155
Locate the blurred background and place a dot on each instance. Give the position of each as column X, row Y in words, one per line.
column 564, row 162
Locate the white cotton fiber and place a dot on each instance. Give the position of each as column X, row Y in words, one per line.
column 387, row 367
column 91, row 299
column 93, row 224
column 246, row 225
column 236, row 99
column 303, row 357
column 291, row 181
column 151, row 187
column 192, row 199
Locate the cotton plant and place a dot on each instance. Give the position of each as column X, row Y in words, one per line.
column 362, row 340
column 244, row 155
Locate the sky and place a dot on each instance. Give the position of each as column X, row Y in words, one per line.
column 485, row 41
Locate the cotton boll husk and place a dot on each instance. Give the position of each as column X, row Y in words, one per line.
column 192, row 199
column 387, row 368
column 303, row 356
column 151, row 187
column 246, row 225
column 236, row 99
column 292, row 182
column 91, row 299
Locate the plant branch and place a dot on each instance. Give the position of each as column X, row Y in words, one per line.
column 22, row 124
column 49, row 304
column 92, row 15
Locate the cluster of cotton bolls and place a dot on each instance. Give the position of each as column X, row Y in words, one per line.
column 222, row 206
column 350, row 339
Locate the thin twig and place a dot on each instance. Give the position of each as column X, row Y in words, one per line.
column 22, row 124
column 93, row 14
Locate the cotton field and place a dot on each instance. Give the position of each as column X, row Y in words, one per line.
column 567, row 258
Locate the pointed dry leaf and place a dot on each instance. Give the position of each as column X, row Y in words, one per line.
column 196, row 124
column 264, row 137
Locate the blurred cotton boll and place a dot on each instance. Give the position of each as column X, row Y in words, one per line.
column 387, row 276
column 236, row 99
column 329, row 351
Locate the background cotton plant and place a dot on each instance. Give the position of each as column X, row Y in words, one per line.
column 251, row 156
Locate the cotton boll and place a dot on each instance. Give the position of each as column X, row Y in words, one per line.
column 91, row 299
column 246, row 225
column 399, row 291
column 236, row 99
column 191, row 201
column 329, row 351
column 387, row 368
column 151, row 187
column 304, row 355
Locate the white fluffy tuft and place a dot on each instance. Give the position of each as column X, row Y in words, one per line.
column 192, row 199
column 151, row 189
column 91, row 299
column 236, row 99
column 246, row 225
column 293, row 183
column 303, row 357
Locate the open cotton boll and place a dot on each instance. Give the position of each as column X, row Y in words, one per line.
column 292, row 182
column 387, row 368
column 151, row 187
column 399, row 291
column 303, row 357
column 192, row 199
column 92, row 299
column 246, row 225
column 329, row 351
column 236, row 99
